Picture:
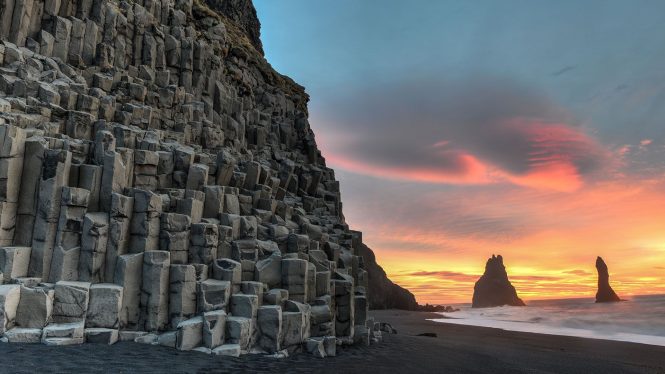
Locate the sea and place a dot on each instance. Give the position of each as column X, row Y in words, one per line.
column 639, row 319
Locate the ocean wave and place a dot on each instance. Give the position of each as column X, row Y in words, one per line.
column 639, row 320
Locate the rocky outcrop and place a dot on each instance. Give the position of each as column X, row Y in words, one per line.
column 493, row 288
column 160, row 183
column 243, row 13
column 384, row 293
column 605, row 293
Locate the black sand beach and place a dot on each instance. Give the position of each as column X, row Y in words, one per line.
column 457, row 349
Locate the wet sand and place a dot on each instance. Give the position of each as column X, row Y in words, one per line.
column 457, row 349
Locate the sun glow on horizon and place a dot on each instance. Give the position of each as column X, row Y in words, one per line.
column 548, row 151
column 550, row 256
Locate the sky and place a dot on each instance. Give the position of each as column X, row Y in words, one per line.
column 531, row 129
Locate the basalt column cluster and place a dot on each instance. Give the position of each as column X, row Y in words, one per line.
column 159, row 182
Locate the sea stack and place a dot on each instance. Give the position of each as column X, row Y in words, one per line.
column 493, row 288
column 605, row 292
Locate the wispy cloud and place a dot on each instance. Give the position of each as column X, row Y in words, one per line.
column 477, row 130
column 445, row 275
column 578, row 272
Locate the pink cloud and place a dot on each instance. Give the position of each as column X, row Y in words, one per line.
column 556, row 157
column 470, row 170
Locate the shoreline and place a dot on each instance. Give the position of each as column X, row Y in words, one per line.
column 536, row 328
column 516, row 351
column 456, row 349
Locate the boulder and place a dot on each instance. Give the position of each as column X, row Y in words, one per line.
column 14, row 262
column 228, row 270
column 24, row 335
column 275, row 296
column 168, row 339
column 64, row 333
column 71, row 301
column 293, row 328
column 101, row 335
column 231, row 350
column 35, row 307
column 239, row 331
column 330, row 346
column 189, row 334
column 269, row 270
column 10, row 295
column 105, row 306
column 269, row 324
column 214, row 326
column 315, row 347
column 244, row 305
column 213, row 295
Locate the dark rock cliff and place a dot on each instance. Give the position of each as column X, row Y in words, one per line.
column 149, row 147
column 493, row 288
column 384, row 294
column 243, row 13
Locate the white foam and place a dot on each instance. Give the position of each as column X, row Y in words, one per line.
column 637, row 321
column 563, row 331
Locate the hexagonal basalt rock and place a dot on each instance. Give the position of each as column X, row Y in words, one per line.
column 161, row 183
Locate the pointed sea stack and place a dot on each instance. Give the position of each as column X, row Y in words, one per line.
column 605, row 292
column 493, row 288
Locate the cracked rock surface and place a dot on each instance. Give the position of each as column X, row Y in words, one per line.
column 160, row 182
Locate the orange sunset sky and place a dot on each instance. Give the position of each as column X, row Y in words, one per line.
column 435, row 241
column 534, row 130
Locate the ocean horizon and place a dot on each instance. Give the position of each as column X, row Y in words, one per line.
column 638, row 319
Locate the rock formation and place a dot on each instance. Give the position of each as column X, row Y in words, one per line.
column 161, row 183
column 384, row 293
column 243, row 14
column 605, row 292
column 493, row 288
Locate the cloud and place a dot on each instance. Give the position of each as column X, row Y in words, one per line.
column 453, row 275
column 577, row 272
column 474, row 130
column 442, row 274
column 534, row 278
column 456, row 168
column 425, row 216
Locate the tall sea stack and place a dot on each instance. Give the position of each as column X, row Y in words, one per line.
column 605, row 292
column 493, row 288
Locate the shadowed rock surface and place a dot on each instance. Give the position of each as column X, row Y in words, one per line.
column 384, row 293
column 605, row 292
column 243, row 13
column 493, row 288
column 160, row 183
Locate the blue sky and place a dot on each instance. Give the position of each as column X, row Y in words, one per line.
column 579, row 53
column 458, row 128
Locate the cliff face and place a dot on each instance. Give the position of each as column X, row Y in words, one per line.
column 493, row 288
column 605, row 293
column 157, row 174
column 243, row 14
column 384, row 294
